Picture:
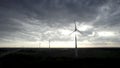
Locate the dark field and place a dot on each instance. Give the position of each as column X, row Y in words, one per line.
column 44, row 56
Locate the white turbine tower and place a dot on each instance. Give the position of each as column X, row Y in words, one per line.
column 49, row 43
column 75, row 37
column 39, row 43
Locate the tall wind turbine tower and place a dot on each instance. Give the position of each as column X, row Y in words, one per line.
column 49, row 43
column 39, row 43
column 75, row 37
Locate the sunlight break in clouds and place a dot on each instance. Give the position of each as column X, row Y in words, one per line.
column 106, row 34
column 84, row 27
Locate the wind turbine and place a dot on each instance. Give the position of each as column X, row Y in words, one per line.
column 39, row 42
column 49, row 43
column 82, row 33
column 75, row 37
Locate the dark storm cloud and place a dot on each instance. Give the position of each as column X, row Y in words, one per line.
column 109, row 15
column 28, row 19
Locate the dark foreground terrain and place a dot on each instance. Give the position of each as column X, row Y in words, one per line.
column 21, row 57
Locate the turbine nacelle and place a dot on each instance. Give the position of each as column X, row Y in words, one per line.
column 76, row 29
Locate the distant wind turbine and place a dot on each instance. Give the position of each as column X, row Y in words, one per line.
column 76, row 30
column 49, row 43
column 39, row 43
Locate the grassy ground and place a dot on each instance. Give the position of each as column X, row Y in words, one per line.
column 67, row 53
column 36, row 56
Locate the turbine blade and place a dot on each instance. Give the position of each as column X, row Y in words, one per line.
column 72, row 33
column 80, row 32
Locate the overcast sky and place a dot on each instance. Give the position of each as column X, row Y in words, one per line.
column 41, row 20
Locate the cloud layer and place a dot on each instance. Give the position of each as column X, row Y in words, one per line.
column 33, row 20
